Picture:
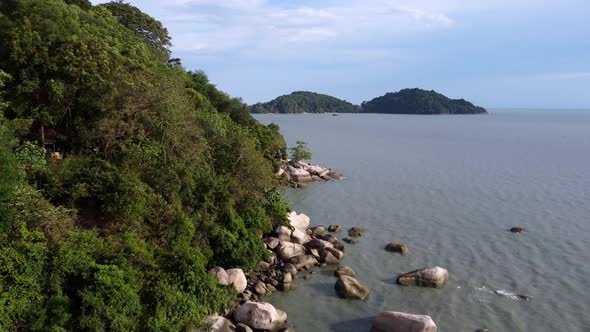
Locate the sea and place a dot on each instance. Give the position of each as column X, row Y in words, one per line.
column 450, row 187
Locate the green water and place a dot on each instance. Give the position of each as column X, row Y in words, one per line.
column 449, row 187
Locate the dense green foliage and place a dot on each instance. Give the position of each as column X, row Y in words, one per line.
column 418, row 101
column 163, row 175
column 300, row 152
column 305, row 102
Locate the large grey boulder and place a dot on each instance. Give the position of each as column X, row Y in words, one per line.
column 435, row 277
column 300, row 221
column 221, row 275
column 300, row 236
column 237, row 278
column 259, row 315
column 392, row 321
column 287, row 250
column 298, row 174
column 303, row 261
column 349, row 288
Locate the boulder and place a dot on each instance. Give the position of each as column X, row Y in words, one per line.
column 259, row 315
column 298, row 174
column 290, row 268
column 517, row 230
column 319, row 244
column 334, row 228
column 318, row 230
column 299, row 221
column 272, row 242
column 435, row 277
column 237, row 278
column 397, row 248
column 330, row 238
column 392, row 321
column 300, row 236
column 221, row 275
column 349, row 288
column 304, row 261
column 260, row 289
column 345, row 271
column 335, row 175
column 218, row 324
column 243, row 328
column 283, row 233
column 331, row 256
column 287, row 278
column 356, row 231
column 287, row 250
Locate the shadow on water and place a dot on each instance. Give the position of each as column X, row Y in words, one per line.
column 359, row 324
column 323, row 289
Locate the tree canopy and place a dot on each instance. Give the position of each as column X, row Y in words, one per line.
column 163, row 176
column 418, row 101
column 305, row 102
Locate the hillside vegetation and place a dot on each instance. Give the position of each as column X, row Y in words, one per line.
column 305, row 102
column 156, row 175
column 418, row 101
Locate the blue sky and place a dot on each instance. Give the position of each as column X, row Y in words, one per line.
column 495, row 53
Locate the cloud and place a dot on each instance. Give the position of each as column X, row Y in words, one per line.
column 216, row 27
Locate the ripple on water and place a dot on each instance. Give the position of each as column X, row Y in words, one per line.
column 449, row 188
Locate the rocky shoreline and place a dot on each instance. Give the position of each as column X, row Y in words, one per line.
column 294, row 251
column 299, row 174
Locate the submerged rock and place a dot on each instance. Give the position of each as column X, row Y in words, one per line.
column 335, row 228
column 435, row 277
column 350, row 240
column 397, row 248
column 349, row 288
column 517, row 230
column 345, row 271
column 356, row 231
column 259, row 315
column 392, row 321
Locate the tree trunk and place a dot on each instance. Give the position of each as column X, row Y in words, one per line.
column 42, row 133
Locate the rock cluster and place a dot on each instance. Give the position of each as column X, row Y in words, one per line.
column 298, row 174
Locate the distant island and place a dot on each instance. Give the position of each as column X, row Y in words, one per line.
column 405, row 101
column 418, row 101
column 305, row 102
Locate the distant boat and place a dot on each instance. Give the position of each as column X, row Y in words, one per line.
column 334, row 114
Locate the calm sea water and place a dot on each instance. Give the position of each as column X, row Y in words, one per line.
column 450, row 187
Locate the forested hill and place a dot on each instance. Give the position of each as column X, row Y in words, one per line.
column 418, row 101
column 123, row 176
column 305, row 102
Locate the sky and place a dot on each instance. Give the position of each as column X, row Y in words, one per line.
column 495, row 53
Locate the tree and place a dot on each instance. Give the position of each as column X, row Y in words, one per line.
column 143, row 25
column 300, row 152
